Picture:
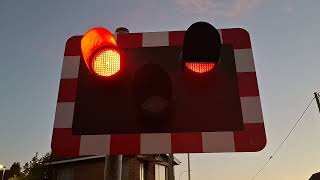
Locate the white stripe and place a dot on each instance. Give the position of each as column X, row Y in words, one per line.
column 244, row 60
column 70, row 67
column 154, row 39
column 218, row 142
column 64, row 115
column 251, row 109
column 156, row 143
column 94, row 145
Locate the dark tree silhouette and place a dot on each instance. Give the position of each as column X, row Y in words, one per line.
column 15, row 169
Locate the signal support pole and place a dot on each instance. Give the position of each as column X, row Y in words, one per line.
column 316, row 95
column 170, row 168
column 113, row 167
column 113, row 163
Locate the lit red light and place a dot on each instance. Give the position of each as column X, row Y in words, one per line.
column 106, row 62
column 99, row 51
column 200, row 67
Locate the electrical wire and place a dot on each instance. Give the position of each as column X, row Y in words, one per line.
column 283, row 141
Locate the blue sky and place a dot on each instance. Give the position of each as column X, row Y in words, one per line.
column 285, row 42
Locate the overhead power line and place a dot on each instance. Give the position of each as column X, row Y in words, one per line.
column 283, row 141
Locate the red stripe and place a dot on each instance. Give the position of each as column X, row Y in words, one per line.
column 64, row 143
column 73, row 46
column 125, row 144
column 186, row 142
column 176, row 38
column 238, row 37
column 67, row 90
column 131, row 40
column 248, row 85
column 252, row 139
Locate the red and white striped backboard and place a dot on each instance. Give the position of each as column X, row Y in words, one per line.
column 251, row 138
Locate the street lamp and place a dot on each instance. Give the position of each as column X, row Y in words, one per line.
column 3, row 168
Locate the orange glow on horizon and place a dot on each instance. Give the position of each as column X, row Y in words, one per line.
column 200, row 67
column 106, row 63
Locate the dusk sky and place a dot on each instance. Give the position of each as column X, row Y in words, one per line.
column 285, row 40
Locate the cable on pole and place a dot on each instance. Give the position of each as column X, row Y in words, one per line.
column 283, row 141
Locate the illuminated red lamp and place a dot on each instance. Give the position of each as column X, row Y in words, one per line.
column 100, row 52
column 200, row 67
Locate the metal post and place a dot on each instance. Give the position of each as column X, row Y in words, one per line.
column 113, row 163
column 189, row 167
column 316, row 95
column 105, row 167
column 170, row 168
column 113, row 167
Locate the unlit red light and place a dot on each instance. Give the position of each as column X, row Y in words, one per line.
column 200, row 67
column 106, row 63
column 155, row 104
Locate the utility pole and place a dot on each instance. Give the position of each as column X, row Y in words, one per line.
column 316, row 95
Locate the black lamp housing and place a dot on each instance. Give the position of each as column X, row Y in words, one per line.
column 202, row 43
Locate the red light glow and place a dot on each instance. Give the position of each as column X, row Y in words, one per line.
column 93, row 46
column 106, row 62
column 200, row 67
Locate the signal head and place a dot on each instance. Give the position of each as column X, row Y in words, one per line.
column 201, row 47
column 100, row 52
